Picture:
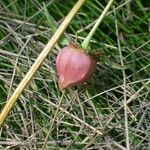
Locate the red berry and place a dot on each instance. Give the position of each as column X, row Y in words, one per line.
column 74, row 66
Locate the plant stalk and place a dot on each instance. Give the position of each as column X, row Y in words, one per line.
column 85, row 43
column 11, row 102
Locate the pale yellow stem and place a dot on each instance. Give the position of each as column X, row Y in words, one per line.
column 11, row 102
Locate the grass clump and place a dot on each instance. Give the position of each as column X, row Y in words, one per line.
column 91, row 116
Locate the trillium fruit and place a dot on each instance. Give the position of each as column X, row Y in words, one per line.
column 74, row 66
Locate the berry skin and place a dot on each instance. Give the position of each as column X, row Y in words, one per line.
column 74, row 66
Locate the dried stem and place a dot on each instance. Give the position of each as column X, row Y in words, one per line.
column 11, row 102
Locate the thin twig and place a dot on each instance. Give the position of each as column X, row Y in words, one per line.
column 124, row 86
column 94, row 129
column 15, row 67
column 53, row 121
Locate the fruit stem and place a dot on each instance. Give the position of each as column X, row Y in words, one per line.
column 85, row 43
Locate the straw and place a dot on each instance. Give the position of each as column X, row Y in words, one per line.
column 11, row 102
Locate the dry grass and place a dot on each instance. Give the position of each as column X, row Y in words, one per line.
column 111, row 111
